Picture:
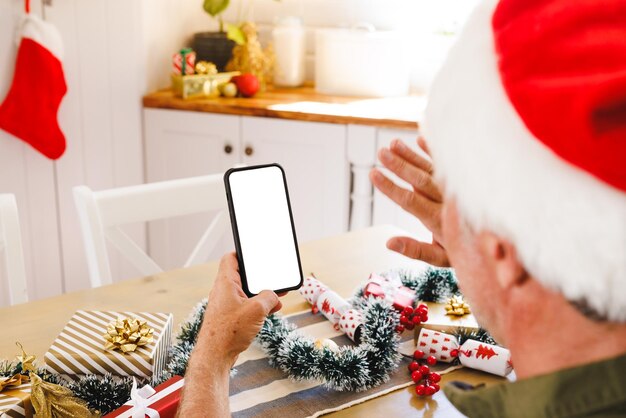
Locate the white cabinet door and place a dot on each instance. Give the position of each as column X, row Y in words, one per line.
column 386, row 211
column 186, row 144
column 315, row 161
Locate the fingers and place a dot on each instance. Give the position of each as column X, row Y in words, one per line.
column 398, row 147
column 404, row 168
column 229, row 269
column 265, row 303
column 433, row 254
column 421, row 142
column 423, row 208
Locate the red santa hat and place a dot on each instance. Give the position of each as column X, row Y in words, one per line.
column 527, row 126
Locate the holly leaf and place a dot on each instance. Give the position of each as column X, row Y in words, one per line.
column 215, row 7
column 235, row 34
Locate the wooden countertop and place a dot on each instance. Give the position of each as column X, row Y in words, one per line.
column 342, row 262
column 305, row 104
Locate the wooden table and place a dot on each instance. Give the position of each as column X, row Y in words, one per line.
column 305, row 104
column 341, row 262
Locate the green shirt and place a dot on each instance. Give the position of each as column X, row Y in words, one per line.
column 593, row 390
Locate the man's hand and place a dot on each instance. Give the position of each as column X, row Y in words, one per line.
column 425, row 201
column 231, row 322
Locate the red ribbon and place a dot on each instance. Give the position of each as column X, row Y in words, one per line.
column 27, row 6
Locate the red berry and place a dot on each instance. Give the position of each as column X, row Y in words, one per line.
column 423, row 369
column 416, row 320
column 409, row 325
column 424, row 318
column 416, row 376
column 414, row 366
column 404, row 319
column 418, row 354
column 400, row 329
column 435, row 377
column 422, row 307
column 454, row 353
column 431, row 360
column 429, row 390
column 420, row 390
column 408, row 311
column 436, row 386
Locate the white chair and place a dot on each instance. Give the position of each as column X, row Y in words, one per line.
column 11, row 247
column 102, row 213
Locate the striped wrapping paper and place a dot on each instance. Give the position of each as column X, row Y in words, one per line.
column 79, row 348
column 261, row 391
column 15, row 402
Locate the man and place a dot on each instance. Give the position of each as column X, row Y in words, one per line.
column 527, row 127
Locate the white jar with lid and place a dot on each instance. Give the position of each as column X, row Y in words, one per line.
column 290, row 51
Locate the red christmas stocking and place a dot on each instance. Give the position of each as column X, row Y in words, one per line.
column 30, row 109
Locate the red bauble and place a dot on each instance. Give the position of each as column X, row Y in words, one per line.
column 404, row 319
column 400, row 328
column 423, row 369
column 418, row 354
column 414, row 366
column 408, row 311
column 429, row 390
column 424, row 318
column 416, row 376
column 247, row 84
column 416, row 320
column 434, row 377
column 409, row 325
column 420, row 390
column 431, row 360
column 436, row 386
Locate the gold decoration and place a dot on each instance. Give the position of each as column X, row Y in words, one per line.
column 55, row 401
column 13, row 381
column 206, row 67
column 252, row 58
column 26, row 363
column 457, row 306
column 322, row 343
column 127, row 334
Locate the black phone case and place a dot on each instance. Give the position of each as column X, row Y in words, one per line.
column 233, row 222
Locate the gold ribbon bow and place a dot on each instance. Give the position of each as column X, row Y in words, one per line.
column 457, row 306
column 48, row 399
column 126, row 334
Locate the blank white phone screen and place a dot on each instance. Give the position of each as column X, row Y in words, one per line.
column 263, row 221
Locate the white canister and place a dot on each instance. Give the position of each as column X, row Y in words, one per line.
column 290, row 51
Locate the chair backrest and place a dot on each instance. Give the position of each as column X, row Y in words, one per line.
column 11, row 248
column 102, row 213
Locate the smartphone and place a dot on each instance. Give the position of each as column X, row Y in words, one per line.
column 263, row 229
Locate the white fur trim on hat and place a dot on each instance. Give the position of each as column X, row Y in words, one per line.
column 44, row 33
column 568, row 227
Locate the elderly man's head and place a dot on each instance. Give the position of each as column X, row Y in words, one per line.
column 527, row 127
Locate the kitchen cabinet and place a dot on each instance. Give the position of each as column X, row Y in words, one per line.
column 184, row 144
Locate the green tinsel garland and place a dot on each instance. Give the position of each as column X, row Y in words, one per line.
column 352, row 368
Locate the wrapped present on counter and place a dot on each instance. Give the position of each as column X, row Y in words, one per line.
column 160, row 402
column 472, row 354
column 184, row 62
column 120, row 343
column 200, row 85
column 390, row 289
column 335, row 308
column 440, row 320
column 15, row 401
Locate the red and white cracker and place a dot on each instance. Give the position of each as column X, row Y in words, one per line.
column 350, row 323
column 437, row 344
column 311, row 289
column 486, row 357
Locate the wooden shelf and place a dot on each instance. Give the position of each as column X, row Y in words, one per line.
column 305, row 104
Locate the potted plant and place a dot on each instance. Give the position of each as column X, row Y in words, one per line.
column 214, row 46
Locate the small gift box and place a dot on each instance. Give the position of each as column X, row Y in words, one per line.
column 160, row 402
column 120, row 343
column 391, row 290
column 15, row 402
column 184, row 61
column 439, row 320
column 200, row 85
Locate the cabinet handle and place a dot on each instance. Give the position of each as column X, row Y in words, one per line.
column 228, row 148
column 249, row 150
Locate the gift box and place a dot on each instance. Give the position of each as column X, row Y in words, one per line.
column 160, row 402
column 390, row 289
column 200, row 85
column 438, row 320
column 15, row 402
column 184, row 61
column 81, row 348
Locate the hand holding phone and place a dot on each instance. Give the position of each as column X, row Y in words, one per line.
column 263, row 229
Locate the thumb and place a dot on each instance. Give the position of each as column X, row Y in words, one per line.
column 267, row 302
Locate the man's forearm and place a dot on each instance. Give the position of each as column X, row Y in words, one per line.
column 206, row 384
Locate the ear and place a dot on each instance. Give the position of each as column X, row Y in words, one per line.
column 501, row 256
